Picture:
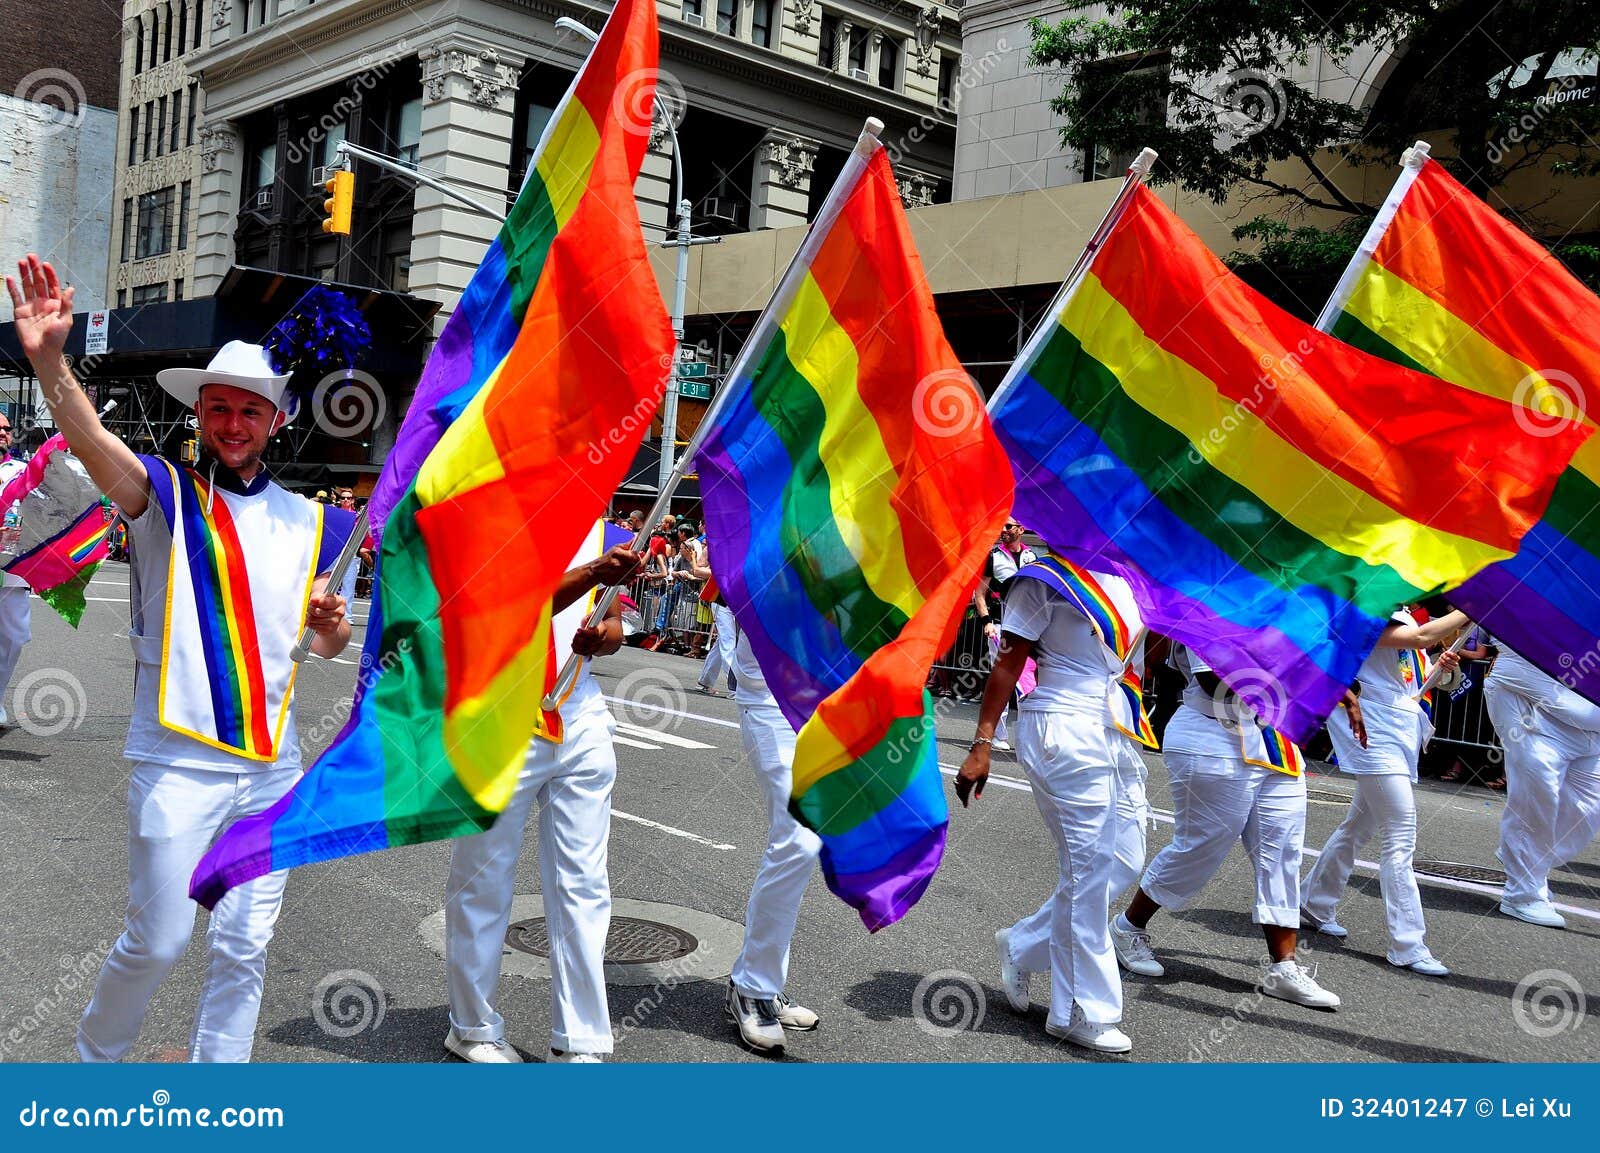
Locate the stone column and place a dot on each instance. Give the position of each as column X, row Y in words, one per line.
column 653, row 189
column 841, row 48
column 468, row 94
column 781, row 189
column 220, row 172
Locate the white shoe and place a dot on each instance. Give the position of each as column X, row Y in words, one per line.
column 1133, row 949
column 1427, row 964
column 1288, row 981
column 1328, row 928
column 5, row 718
column 1535, row 913
column 1012, row 979
column 757, row 1019
column 1003, row 746
column 795, row 1018
column 481, row 1052
column 569, row 1058
column 1087, row 1035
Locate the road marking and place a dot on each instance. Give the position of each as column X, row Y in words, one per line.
column 994, row 779
column 633, row 744
column 684, row 833
column 664, row 738
column 673, row 712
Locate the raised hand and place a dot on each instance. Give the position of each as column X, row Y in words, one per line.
column 43, row 311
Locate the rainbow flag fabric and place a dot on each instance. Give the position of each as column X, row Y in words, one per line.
column 852, row 491
column 560, row 338
column 58, row 560
column 1446, row 285
column 1271, row 493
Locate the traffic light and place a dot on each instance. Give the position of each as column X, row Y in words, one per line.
column 342, row 186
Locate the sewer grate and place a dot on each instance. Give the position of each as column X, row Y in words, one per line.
column 631, row 940
column 1454, row 871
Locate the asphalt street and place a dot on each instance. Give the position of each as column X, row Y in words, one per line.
column 352, row 974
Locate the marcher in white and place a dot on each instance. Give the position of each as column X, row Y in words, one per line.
column 1056, row 614
column 1551, row 737
column 571, row 778
column 1385, row 768
column 1002, row 563
column 1224, row 790
column 1128, row 731
column 719, row 656
column 202, row 756
column 756, row 1002
column 15, row 631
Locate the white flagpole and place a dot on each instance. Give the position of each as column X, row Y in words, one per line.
column 1411, row 162
column 766, row 324
column 1138, row 173
column 347, row 556
column 1438, row 670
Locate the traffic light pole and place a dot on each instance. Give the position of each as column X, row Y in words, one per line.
column 345, row 148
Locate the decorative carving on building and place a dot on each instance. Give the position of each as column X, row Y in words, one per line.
column 658, row 136
column 916, row 188
column 803, row 11
column 486, row 76
column 216, row 140
column 221, row 13
column 927, row 39
column 791, row 160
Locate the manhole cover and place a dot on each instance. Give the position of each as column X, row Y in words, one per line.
column 631, row 941
column 1453, row 871
column 1327, row 796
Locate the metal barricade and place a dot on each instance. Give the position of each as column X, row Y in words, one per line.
column 684, row 627
column 963, row 669
column 1463, row 719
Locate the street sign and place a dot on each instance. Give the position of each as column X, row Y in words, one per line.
column 695, row 389
column 693, row 368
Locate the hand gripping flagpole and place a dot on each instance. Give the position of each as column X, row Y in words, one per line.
column 866, row 144
column 1435, row 673
column 1138, row 173
column 347, row 557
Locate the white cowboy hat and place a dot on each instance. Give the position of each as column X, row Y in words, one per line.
column 237, row 363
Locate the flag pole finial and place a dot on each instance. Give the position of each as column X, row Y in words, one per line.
column 1143, row 163
column 1416, row 155
column 868, row 140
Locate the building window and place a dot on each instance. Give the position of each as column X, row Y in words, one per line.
column 694, row 11
column 947, row 83
column 122, row 298
column 761, row 24
column 828, row 44
column 266, row 165
column 183, row 217
column 1143, row 100
column 194, row 35
column 728, row 17
column 889, row 64
column 194, row 99
column 149, row 118
column 138, row 45
column 183, row 26
column 153, row 41
column 133, row 134
column 149, row 294
column 255, row 14
column 127, row 227
column 161, row 126
column 177, row 289
column 155, row 226
column 166, row 39
column 858, row 49
column 407, row 131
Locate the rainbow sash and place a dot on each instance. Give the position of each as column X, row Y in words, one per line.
column 1277, row 752
column 1086, row 593
column 238, row 582
column 1414, row 669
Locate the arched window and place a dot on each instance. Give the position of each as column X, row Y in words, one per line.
column 166, row 39
column 138, row 45
column 183, row 26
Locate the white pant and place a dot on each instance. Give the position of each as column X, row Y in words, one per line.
column 1069, row 762
column 1216, row 802
column 1552, row 792
column 1133, row 813
column 786, row 866
column 1384, row 804
column 572, row 783
column 719, row 657
column 348, row 589
column 173, row 817
column 15, row 632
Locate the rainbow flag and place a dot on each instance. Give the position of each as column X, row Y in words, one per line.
column 852, row 491
column 1445, row 285
column 1271, row 493
column 560, row 340
column 60, row 547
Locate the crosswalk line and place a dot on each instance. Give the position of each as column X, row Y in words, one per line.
column 633, row 744
column 664, row 738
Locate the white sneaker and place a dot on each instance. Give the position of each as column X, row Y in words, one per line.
column 1012, row 979
column 1427, row 964
column 1087, row 1035
column 5, row 718
column 1133, row 949
column 481, row 1052
column 569, row 1058
column 795, row 1018
column 757, row 1019
column 1288, row 981
column 1328, row 928
column 1534, row 912
column 1003, row 746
